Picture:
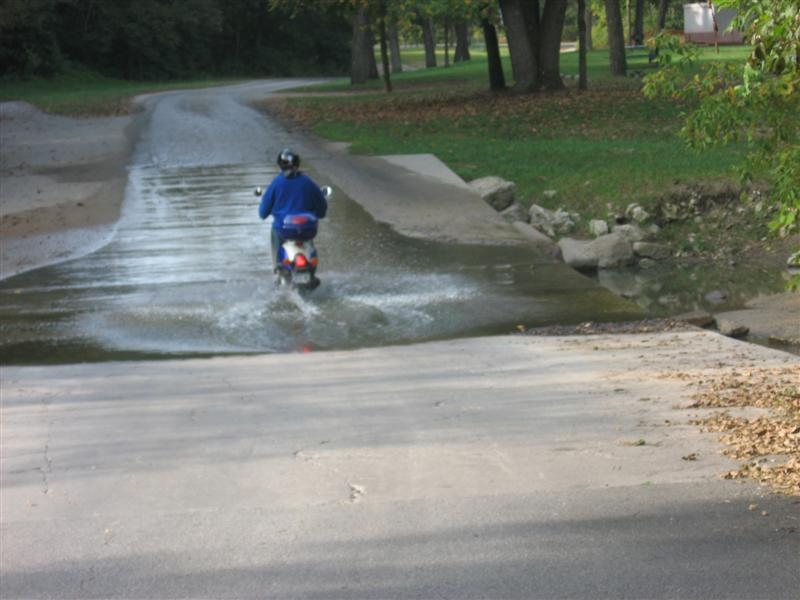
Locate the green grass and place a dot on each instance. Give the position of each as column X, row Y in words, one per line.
column 591, row 176
column 474, row 71
column 600, row 149
column 82, row 93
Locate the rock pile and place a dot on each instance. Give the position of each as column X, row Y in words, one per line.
column 627, row 240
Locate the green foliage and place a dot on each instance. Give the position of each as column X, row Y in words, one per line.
column 160, row 39
column 28, row 44
column 756, row 102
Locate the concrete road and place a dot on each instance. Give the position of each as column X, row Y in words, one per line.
column 502, row 467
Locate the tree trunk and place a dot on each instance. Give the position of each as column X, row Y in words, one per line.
column 522, row 27
column 582, row 77
column 446, row 42
column 638, row 29
column 387, row 78
column 616, row 38
column 394, row 46
column 462, row 41
column 589, row 25
column 549, row 43
column 497, row 80
column 361, row 49
column 373, row 64
column 663, row 5
column 429, row 38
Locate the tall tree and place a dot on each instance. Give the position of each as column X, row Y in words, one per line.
column 534, row 42
column 663, row 5
column 497, row 79
column 521, row 19
column 446, row 33
column 394, row 48
column 638, row 28
column 582, row 46
column 362, row 54
column 589, row 23
column 462, row 41
column 387, row 81
column 429, row 39
column 551, row 28
column 616, row 38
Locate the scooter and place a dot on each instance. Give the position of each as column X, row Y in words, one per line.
column 297, row 256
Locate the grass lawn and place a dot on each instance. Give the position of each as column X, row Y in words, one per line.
column 600, row 149
column 84, row 94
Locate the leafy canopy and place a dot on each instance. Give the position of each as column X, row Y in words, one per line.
column 757, row 102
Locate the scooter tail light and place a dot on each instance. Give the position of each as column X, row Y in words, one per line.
column 300, row 261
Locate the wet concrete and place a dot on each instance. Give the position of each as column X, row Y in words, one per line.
column 189, row 272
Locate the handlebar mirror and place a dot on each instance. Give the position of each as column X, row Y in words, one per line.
column 327, row 191
column 258, row 191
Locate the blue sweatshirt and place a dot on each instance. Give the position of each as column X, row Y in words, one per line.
column 289, row 195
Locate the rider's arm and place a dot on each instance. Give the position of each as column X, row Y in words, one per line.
column 267, row 202
column 320, row 202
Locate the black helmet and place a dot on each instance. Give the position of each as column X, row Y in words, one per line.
column 288, row 160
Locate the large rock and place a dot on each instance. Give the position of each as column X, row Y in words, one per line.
column 598, row 227
column 551, row 223
column 496, row 191
column 606, row 252
column 538, row 239
column 613, row 251
column 630, row 233
column 636, row 213
column 578, row 254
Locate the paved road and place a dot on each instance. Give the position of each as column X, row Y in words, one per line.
column 499, row 467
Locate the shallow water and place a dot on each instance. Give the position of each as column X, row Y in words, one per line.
column 188, row 273
column 669, row 290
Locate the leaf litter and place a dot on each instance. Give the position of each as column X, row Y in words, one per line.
column 762, row 441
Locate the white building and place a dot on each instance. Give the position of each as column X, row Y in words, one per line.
column 705, row 24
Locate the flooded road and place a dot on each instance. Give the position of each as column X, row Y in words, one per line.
column 188, row 272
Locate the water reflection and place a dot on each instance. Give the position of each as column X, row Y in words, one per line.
column 671, row 290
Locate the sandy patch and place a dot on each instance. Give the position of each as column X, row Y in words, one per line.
column 62, row 182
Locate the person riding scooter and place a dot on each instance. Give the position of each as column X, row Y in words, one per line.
column 291, row 192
